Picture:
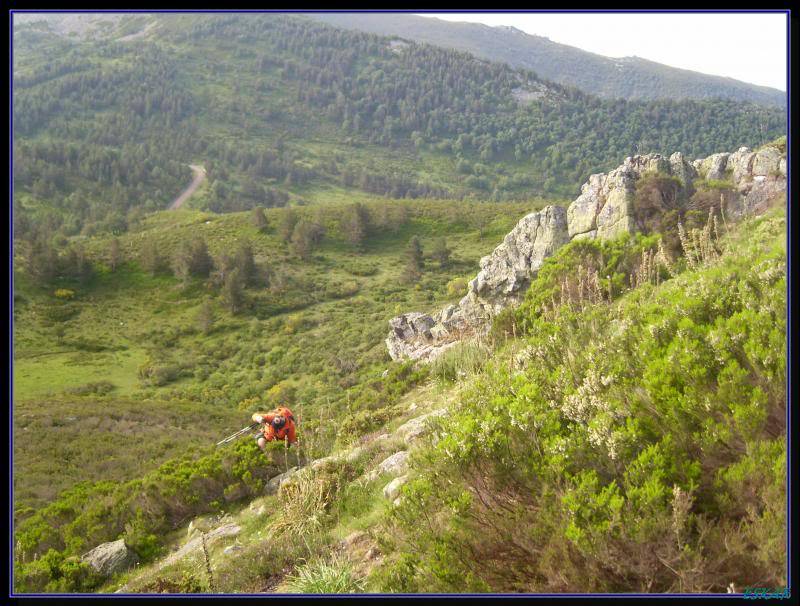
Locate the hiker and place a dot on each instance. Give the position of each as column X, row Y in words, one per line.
column 278, row 425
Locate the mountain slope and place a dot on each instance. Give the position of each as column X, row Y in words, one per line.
column 627, row 77
column 282, row 109
column 580, row 440
column 694, row 340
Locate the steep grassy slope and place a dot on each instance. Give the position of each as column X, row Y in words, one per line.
column 626, row 78
column 312, row 329
column 633, row 446
column 640, row 439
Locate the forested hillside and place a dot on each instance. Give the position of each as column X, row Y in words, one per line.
column 624, row 78
column 281, row 109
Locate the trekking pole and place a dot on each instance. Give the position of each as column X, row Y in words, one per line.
column 241, row 432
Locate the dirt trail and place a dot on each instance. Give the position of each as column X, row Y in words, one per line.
column 199, row 177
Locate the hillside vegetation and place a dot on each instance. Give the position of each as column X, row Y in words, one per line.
column 631, row 445
column 280, row 109
column 119, row 363
column 640, row 438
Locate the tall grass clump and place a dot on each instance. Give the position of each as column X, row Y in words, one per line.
column 460, row 361
column 305, row 502
column 331, row 575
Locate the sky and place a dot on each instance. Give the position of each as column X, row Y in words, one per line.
column 748, row 47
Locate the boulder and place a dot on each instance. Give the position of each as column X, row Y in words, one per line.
column 764, row 192
column 275, row 483
column 412, row 430
column 582, row 213
column 741, row 163
column 509, row 268
column 394, row 465
column 409, row 333
column 682, row 169
column 616, row 217
column 392, row 489
column 110, row 558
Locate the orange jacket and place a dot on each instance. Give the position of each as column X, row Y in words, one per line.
column 287, row 431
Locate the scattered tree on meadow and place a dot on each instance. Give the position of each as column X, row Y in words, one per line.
column 42, row 261
column 114, row 255
column 414, row 261
column 355, row 225
column 193, row 260
column 245, row 262
column 302, row 244
column 287, row 224
column 151, row 259
column 223, row 265
column 76, row 264
column 233, row 291
column 441, row 253
column 205, row 317
column 259, row 219
column 481, row 222
column 399, row 218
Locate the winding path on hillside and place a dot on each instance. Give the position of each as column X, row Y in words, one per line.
column 199, row 177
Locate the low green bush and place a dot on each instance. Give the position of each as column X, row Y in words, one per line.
column 97, row 388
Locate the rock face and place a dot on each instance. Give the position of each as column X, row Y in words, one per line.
column 506, row 273
column 604, row 209
column 504, row 276
column 110, row 558
column 411, row 337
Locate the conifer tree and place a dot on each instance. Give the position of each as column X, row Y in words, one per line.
column 414, row 261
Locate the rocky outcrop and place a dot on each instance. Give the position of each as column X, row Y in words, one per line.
column 110, row 558
column 604, row 209
column 504, row 276
column 506, row 273
column 411, row 337
column 756, row 176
